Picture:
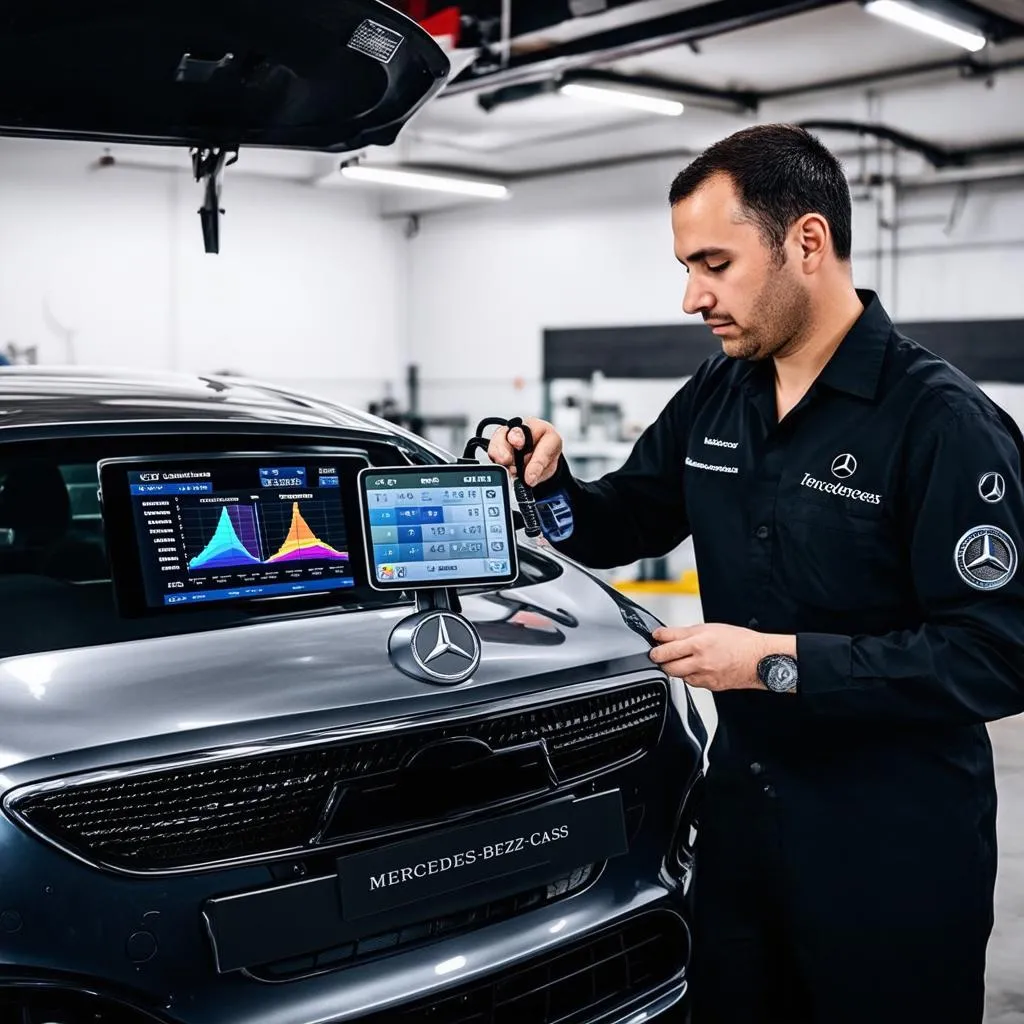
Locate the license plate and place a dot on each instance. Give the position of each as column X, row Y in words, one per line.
column 492, row 858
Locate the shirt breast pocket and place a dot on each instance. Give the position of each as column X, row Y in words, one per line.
column 715, row 495
column 835, row 557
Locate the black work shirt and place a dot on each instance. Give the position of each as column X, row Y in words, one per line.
column 880, row 522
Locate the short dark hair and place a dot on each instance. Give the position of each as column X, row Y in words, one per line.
column 781, row 172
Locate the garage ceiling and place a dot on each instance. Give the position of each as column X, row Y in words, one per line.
column 732, row 62
column 787, row 62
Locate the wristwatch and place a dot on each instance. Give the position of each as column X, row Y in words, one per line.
column 778, row 672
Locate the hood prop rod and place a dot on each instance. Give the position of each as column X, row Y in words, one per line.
column 208, row 165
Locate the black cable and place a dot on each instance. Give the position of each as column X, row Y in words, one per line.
column 524, row 494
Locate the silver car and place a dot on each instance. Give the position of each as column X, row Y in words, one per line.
column 243, row 810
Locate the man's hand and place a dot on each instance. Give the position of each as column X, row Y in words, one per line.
column 717, row 657
column 541, row 463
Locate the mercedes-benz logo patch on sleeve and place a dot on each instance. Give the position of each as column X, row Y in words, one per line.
column 986, row 558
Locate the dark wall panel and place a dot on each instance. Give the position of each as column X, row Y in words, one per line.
column 987, row 350
column 674, row 350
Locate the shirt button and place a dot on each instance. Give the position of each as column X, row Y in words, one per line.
column 769, row 791
column 762, row 532
column 753, row 624
column 756, row 768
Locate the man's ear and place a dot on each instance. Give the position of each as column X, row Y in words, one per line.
column 814, row 238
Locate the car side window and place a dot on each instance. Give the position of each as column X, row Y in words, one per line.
column 50, row 522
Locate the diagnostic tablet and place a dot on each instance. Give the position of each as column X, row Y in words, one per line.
column 437, row 526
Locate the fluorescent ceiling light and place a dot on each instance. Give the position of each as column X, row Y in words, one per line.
column 913, row 17
column 423, row 180
column 619, row 97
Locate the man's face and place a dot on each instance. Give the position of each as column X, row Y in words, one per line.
column 751, row 297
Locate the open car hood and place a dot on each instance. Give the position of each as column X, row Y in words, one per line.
column 328, row 75
column 215, row 76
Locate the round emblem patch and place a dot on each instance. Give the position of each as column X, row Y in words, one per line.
column 844, row 466
column 986, row 558
column 992, row 487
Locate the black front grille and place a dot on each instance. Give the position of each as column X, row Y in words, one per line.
column 426, row 931
column 570, row 986
column 273, row 803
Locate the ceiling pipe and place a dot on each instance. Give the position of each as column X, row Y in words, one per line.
column 907, row 182
column 967, row 68
column 688, row 26
column 963, row 175
column 742, row 101
column 937, row 156
column 948, row 174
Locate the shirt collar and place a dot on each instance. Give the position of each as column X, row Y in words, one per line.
column 856, row 365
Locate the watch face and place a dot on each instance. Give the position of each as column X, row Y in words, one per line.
column 780, row 673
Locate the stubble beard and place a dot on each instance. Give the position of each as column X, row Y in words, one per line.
column 783, row 313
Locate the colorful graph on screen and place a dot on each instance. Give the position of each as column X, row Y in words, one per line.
column 302, row 543
column 236, row 541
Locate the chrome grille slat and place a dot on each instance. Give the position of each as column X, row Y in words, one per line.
column 266, row 804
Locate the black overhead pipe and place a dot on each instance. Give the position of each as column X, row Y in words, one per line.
column 967, row 67
column 688, row 26
column 937, row 156
column 746, row 100
column 966, row 157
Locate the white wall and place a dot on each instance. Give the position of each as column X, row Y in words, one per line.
column 595, row 249
column 313, row 287
column 308, row 286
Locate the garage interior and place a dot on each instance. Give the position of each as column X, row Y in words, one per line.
column 523, row 265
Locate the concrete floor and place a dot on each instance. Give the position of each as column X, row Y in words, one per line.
column 1005, row 980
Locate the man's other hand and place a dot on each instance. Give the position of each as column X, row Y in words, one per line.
column 541, row 463
column 713, row 656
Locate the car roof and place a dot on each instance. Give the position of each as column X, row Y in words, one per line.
column 40, row 396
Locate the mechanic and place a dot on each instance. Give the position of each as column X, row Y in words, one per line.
column 856, row 509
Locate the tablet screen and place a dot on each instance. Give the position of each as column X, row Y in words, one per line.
column 437, row 526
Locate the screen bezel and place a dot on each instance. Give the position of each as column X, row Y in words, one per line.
column 125, row 558
column 450, row 583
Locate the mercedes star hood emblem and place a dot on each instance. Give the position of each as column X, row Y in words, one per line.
column 436, row 646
